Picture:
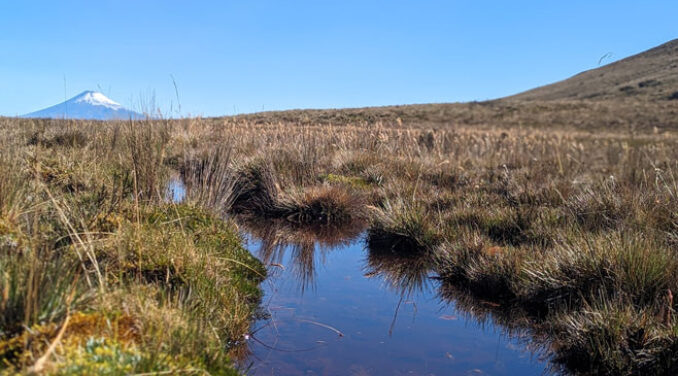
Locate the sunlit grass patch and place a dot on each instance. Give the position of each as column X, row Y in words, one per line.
column 404, row 228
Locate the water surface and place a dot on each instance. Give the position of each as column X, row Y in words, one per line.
column 333, row 307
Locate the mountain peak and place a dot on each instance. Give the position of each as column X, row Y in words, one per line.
column 95, row 98
column 89, row 105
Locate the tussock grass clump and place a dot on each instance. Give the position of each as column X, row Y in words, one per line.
column 257, row 194
column 488, row 271
column 509, row 226
column 323, row 205
column 355, row 163
column 607, row 339
column 597, row 209
column 256, row 190
column 403, row 228
column 631, row 266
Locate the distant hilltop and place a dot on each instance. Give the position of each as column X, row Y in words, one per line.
column 650, row 75
column 88, row 105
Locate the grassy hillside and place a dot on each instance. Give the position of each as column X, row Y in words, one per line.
column 650, row 75
column 627, row 115
column 637, row 93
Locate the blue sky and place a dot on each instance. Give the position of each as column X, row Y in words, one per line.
column 245, row 56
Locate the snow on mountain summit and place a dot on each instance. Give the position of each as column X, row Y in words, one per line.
column 96, row 99
column 91, row 105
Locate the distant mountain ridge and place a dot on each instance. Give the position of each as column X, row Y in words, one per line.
column 88, row 105
column 649, row 75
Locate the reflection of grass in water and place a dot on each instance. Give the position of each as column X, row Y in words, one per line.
column 402, row 268
column 404, row 272
column 279, row 236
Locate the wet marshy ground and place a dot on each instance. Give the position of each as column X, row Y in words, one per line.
column 333, row 307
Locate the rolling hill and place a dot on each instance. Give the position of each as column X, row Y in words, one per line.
column 650, row 75
column 636, row 93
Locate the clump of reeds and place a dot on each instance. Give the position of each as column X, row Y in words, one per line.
column 147, row 143
column 210, row 179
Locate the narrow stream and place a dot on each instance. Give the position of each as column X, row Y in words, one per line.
column 332, row 307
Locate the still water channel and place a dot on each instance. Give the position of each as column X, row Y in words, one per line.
column 333, row 307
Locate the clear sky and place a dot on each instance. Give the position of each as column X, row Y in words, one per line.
column 249, row 55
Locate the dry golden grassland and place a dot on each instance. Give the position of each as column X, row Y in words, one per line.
column 567, row 232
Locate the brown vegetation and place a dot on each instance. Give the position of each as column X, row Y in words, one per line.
column 576, row 230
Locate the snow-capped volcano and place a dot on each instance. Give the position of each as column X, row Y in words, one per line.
column 87, row 105
column 97, row 99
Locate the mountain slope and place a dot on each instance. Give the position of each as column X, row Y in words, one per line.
column 650, row 75
column 89, row 105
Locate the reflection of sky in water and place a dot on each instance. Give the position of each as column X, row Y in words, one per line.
column 176, row 190
column 428, row 337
